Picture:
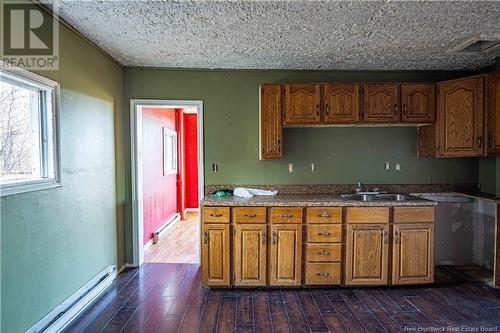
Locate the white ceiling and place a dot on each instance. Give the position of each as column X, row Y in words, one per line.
column 298, row 34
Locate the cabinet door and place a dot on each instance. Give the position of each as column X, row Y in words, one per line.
column 249, row 259
column 215, row 255
column 341, row 103
column 270, row 122
column 367, row 249
column 413, row 253
column 418, row 103
column 302, row 104
column 286, row 249
column 461, row 117
column 381, row 103
column 493, row 123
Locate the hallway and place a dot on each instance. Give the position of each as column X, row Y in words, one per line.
column 180, row 245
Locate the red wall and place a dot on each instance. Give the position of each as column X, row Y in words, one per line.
column 159, row 192
column 190, row 160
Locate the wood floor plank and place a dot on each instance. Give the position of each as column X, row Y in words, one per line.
column 296, row 316
column 279, row 317
column 209, row 317
column 311, row 311
column 244, row 310
column 227, row 316
column 350, row 321
column 262, row 313
column 362, row 312
column 191, row 319
column 118, row 321
column 382, row 316
column 323, row 302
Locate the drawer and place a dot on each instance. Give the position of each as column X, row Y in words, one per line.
column 286, row 215
column 323, row 233
column 322, row 273
column 324, row 215
column 322, row 252
column 367, row 215
column 215, row 215
column 413, row 214
column 249, row 214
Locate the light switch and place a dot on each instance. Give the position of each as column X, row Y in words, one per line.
column 398, row 166
column 290, row 167
column 387, row 166
column 312, row 167
column 215, row 167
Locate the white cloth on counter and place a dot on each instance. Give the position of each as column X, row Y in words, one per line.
column 244, row 192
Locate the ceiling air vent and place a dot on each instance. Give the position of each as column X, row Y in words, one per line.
column 479, row 45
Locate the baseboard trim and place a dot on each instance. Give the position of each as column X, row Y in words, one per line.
column 148, row 244
column 191, row 210
column 165, row 227
column 63, row 314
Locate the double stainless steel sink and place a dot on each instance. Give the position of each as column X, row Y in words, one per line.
column 378, row 197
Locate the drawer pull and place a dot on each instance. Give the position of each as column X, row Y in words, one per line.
column 324, row 215
column 324, row 233
column 250, row 215
column 288, row 216
column 324, row 253
column 215, row 215
column 322, row 274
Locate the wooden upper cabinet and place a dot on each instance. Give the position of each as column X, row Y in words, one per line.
column 460, row 119
column 381, row 102
column 418, row 103
column 249, row 259
column 413, row 253
column 215, row 255
column 270, row 133
column 341, row 103
column 285, row 259
column 302, row 104
column 493, row 117
column 367, row 254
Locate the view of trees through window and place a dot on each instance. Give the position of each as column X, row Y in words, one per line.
column 19, row 133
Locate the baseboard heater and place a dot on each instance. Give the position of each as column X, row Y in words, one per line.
column 63, row 314
column 165, row 227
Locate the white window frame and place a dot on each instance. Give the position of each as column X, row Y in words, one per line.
column 169, row 142
column 28, row 79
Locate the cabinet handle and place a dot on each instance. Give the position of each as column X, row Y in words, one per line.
column 322, row 274
column 324, row 253
column 275, row 237
column 397, row 237
column 327, row 109
column 324, row 233
column 317, row 109
column 386, row 237
column 480, row 141
column 205, row 237
column 215, row 215
column 250, row 215
column 288, row 216
column 324, row 215
column 264, row 238
column 395, row 109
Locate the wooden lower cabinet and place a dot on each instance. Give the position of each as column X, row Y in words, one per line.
column 286, row 255
column 249, row 255
column 413, row 253
column 215, row 254
column 367, row 254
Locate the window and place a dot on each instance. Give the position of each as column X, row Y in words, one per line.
column 169, row 152
column 29, row 152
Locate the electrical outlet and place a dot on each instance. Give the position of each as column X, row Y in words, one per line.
column 290, row 167
column 215, row 167
column 387, row 166
column 312, row 167
column 398, row 166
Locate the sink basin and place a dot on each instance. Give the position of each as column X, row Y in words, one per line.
column 358, row 197
column 377, row 197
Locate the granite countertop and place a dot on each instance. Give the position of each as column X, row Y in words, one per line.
column 308, row 200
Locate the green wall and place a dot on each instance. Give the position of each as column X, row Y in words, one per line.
column 341, row 155
column 54, row 241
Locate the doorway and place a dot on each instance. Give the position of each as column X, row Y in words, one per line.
column 167, row 180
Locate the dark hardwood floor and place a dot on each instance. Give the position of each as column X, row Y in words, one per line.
column 169, row 298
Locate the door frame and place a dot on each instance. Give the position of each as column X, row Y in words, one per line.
column 136, row 106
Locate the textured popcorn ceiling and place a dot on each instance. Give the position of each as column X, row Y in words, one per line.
column 354, row 35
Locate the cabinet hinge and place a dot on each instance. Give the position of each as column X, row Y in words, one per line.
column 234, row 278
